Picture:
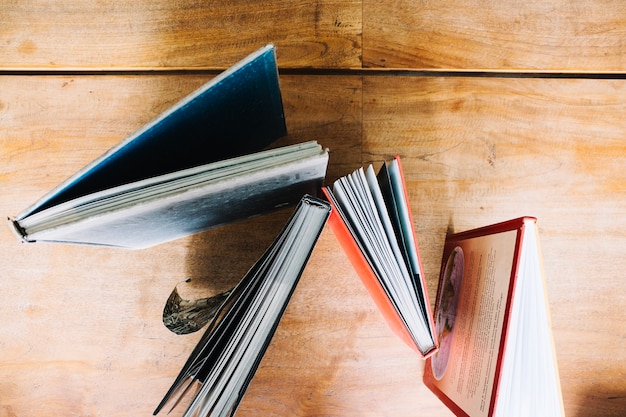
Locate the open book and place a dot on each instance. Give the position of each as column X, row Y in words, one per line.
column 229, row 352
column 372, row 221
column 195, row 166
column 488, row 345
column 496, row 355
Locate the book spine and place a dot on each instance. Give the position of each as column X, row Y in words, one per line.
column 17, row 230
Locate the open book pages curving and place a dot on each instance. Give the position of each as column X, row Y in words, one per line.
column 177, row 204
column 372, row 221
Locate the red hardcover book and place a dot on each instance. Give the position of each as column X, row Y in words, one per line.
column 496, row 354
column 398, row 290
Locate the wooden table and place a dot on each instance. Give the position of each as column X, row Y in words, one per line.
column 498, row 110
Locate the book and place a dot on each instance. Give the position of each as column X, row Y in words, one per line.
column 228, row 354
column 487, row 345
column 197, row 165
column 496, row 354
column 372, row 220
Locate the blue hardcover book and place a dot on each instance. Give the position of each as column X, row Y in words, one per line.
column 198, row 165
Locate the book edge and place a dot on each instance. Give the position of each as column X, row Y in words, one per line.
column 429, row 307
column 188, row 195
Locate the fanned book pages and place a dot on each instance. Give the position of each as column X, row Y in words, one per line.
column 372, row 220
column 196, row 166
column 496, row 354
column 228, row 354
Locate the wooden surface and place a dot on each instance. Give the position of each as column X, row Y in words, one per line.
column 81, row 331
column 560, row 35
column 179, row 34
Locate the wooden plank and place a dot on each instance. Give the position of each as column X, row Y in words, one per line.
column 529, row 36
column 478, row 151
column 453, row 35
column 162, row 34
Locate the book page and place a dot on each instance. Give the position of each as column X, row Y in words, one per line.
column 470, row 314
column 529, row 383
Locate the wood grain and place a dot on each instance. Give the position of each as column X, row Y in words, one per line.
column 82, row 331
column 181, row 34
column 453, row 35
column 582, row 36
